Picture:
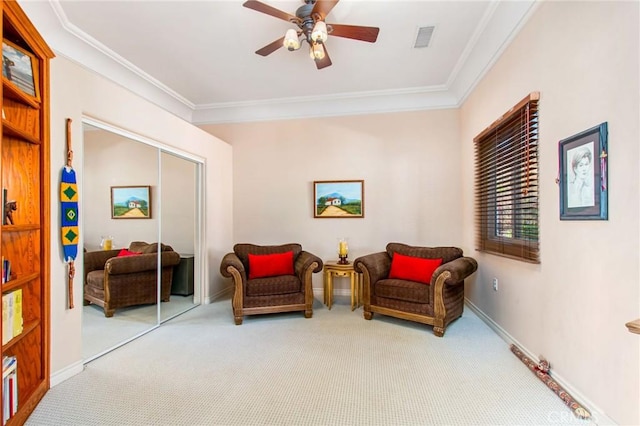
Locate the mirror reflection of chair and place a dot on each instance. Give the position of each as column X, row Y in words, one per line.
column 422, row 284
column 270, row 279
column 119, row 278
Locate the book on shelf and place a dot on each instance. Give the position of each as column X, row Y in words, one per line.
column 6, row 270
column 12, row 321
column 9, row 387
column 18, row 321
column 5, row 319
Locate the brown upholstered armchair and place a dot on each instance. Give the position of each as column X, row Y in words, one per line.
column 270, row 294
column 114, row 282
column 437, row 303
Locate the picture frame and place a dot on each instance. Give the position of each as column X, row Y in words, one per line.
column 131, row 202
column 583, row 175
column 338, row 199
column 19, row 68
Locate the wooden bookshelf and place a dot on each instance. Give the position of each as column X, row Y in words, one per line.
column 24, row 172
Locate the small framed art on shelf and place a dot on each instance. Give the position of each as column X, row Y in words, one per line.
column 18, row 67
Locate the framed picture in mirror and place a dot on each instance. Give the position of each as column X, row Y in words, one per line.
column 131, row 202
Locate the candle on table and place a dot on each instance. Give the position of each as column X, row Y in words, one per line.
column 343, row 248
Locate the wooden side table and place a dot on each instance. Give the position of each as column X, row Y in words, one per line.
column 334, row 269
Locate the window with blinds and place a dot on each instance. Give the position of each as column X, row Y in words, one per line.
column 506, row 184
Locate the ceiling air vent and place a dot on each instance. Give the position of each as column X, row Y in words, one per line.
column 424, row 36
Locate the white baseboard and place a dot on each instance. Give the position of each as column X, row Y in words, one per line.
column 66, row 373
column 597, row 416
column 213, row 297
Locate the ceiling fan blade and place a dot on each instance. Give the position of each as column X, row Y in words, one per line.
column 269, row 10
column 324, row 62
column 323, row 7
column 271, row 47
column 356, row 32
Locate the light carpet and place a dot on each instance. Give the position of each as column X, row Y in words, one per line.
column 100, row 333
column 282, row 369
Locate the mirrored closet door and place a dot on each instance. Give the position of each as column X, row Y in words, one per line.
column 178, row 220
column 135, row 194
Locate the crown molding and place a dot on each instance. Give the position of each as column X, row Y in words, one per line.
column 498, row 27
column 325, row 106
column 493, row 36
column 70, row 42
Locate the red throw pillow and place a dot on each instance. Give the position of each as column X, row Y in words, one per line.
column 413, row 268
column 125, row 252
column 270, row 265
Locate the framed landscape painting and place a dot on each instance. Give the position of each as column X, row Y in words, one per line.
column 131, row 202
column 338, row 199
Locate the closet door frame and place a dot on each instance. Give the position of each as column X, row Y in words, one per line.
column 199, row 252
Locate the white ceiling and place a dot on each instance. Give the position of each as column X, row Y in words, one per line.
column 196, row 58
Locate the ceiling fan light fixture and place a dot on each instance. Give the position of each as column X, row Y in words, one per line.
column 291, row 41
column 309, row 18
column 319, row 33
column 316, row 51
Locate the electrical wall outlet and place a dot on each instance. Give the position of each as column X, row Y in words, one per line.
column 495, row 284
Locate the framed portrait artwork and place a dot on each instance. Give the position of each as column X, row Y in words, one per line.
column 583, row 175
column 18, row 66
column 338, row 198
column 130, row 202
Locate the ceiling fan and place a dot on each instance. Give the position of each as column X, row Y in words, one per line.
column 310, row 19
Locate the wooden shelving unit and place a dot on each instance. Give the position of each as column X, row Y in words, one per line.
column 24, row 172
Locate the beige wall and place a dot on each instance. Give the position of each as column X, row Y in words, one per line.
column 114, row 160
column 74, row 92
column 178, row 201
column 409, row 163
column 583, row 58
